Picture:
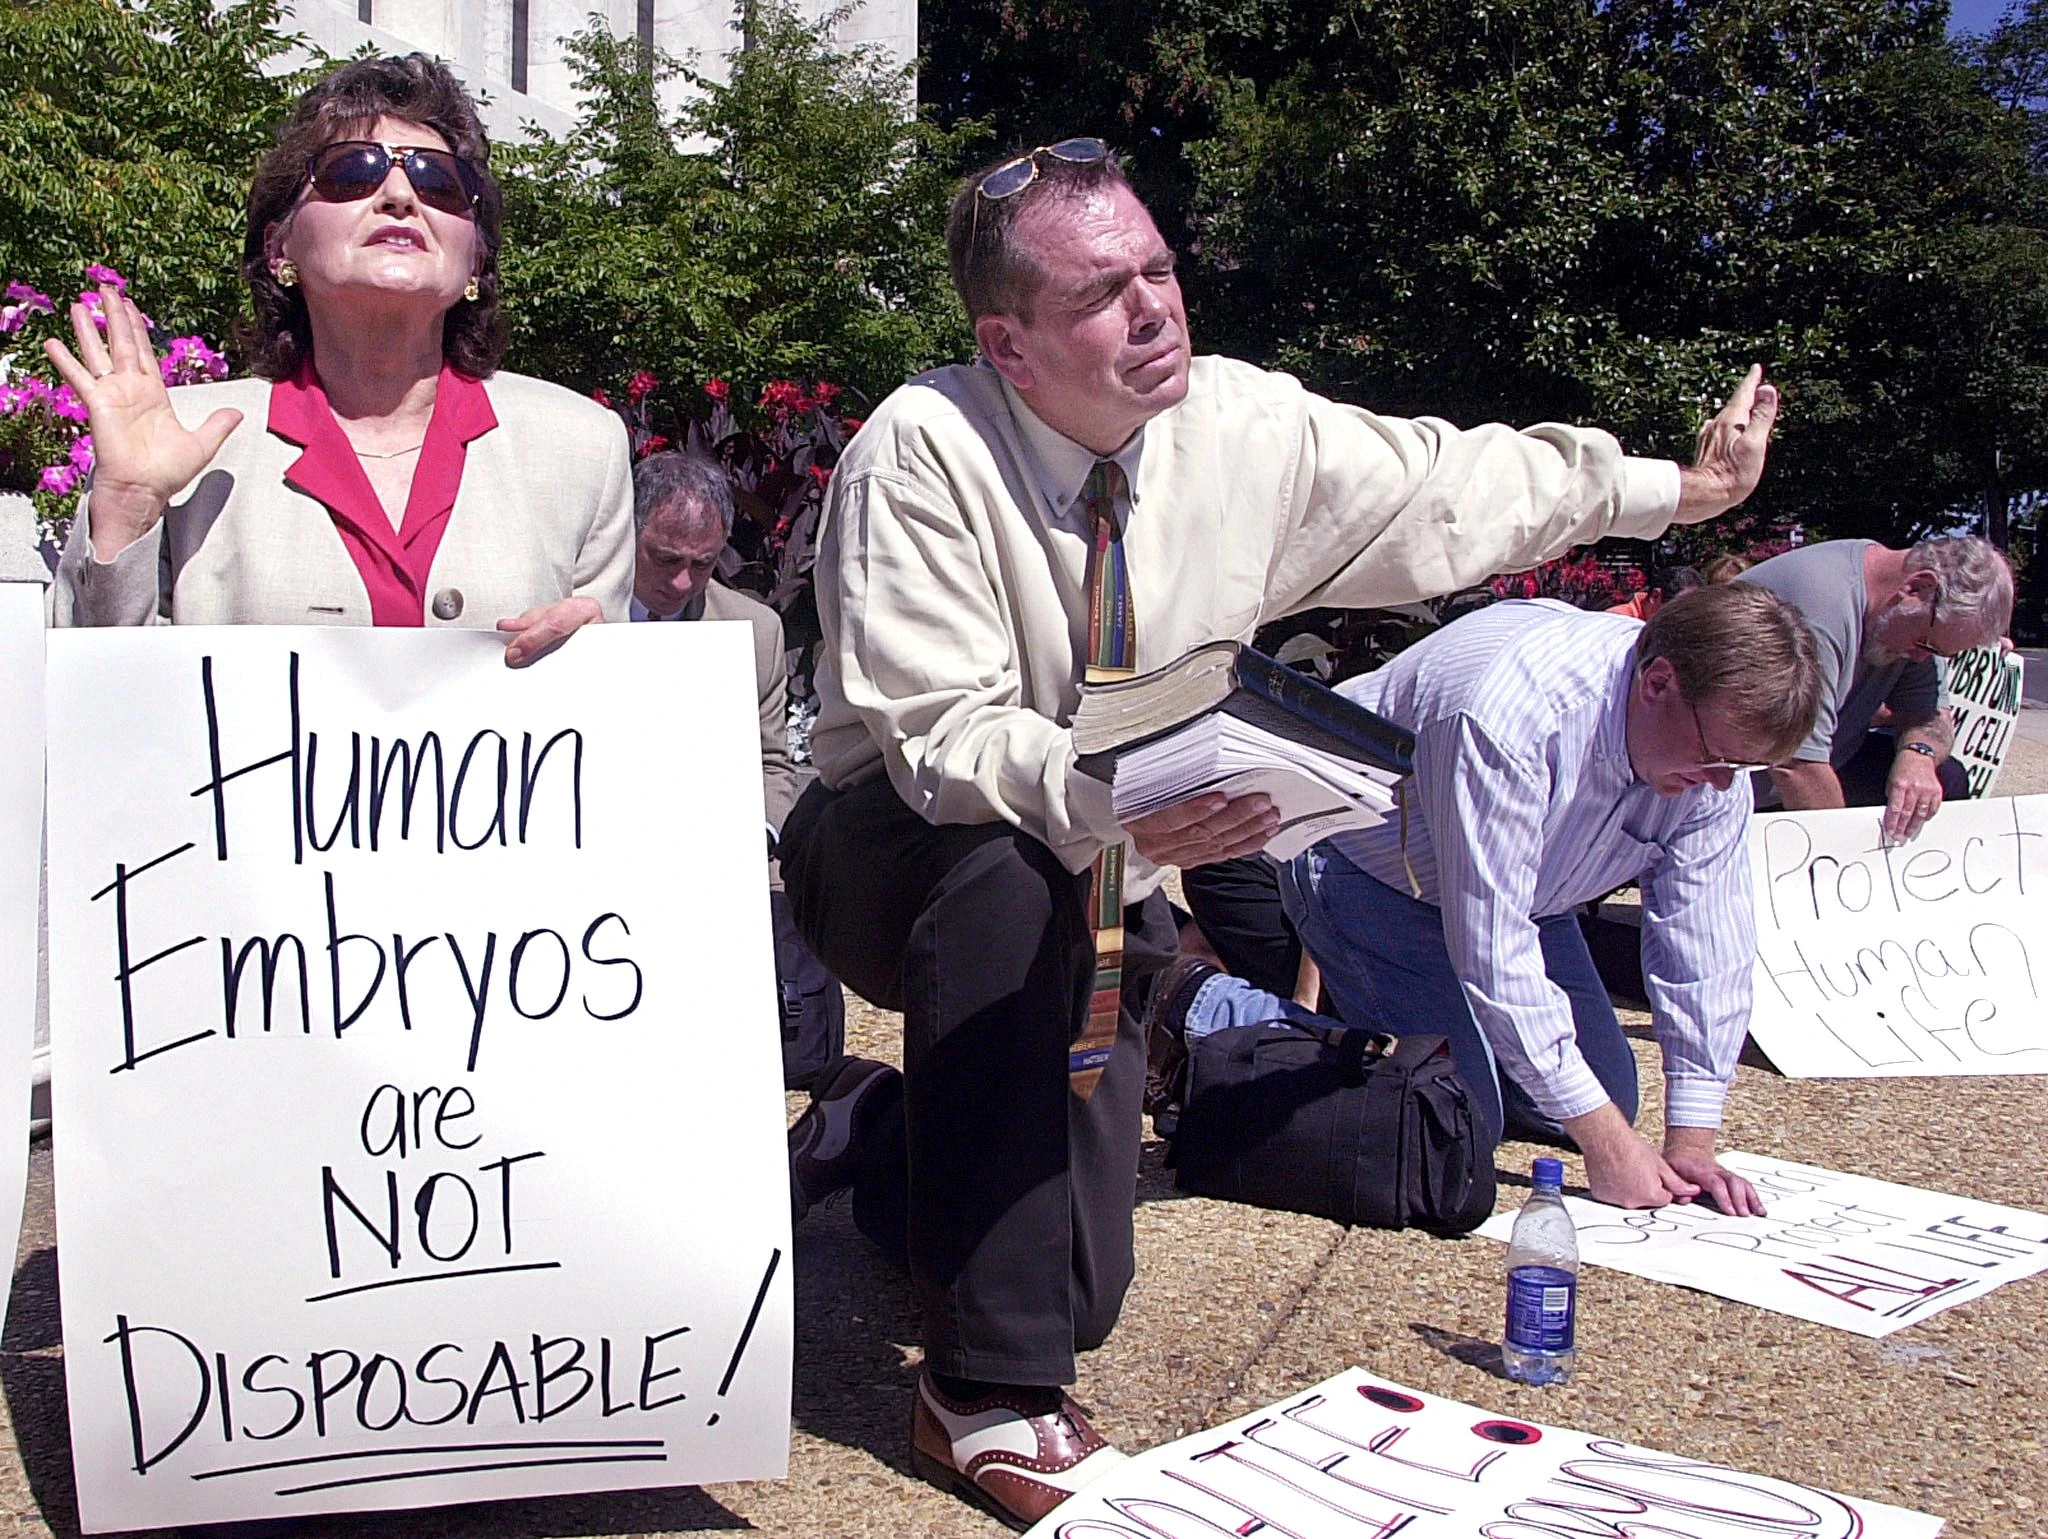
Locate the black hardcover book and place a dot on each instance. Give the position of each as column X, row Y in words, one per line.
column 1231, row 677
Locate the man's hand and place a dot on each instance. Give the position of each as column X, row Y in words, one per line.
column 545, row 627
column 1690, row 1152
column 1729, row 460
column 1621, row 1167
column 1912, row 795
column 1204, row 828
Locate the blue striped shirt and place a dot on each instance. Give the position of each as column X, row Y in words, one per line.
column 1523, row 805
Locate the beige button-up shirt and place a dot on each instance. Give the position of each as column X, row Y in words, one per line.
column 950, row 567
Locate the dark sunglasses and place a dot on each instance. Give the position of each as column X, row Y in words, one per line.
column 350, row 170
column 1013, row 176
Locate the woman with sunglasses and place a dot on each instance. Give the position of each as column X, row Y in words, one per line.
column 378, row 470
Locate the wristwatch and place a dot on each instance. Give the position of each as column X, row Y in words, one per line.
column 1918, row 747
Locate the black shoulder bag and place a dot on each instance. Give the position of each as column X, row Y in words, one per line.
column 1351, row 1125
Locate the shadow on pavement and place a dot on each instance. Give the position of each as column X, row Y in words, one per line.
column 1469, row 1350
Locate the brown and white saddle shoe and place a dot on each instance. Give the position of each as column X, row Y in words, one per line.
column 1017, row 1466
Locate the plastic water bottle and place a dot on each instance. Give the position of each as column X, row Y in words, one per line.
column 1543, row 1283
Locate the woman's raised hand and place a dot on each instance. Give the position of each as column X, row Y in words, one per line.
column 142, row 454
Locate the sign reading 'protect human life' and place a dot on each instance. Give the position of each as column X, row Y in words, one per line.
column 1929, row 957
column 422, row 1131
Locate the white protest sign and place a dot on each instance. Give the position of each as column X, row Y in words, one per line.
column 1867, row 1256
column 21, row 865
column 1982, row 689
column 1897, row 959
column 422, row 1127
column 1358, row 1456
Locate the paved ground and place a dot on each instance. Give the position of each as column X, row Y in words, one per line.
column 1235, row 1307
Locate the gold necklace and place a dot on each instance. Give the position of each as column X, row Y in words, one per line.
column 389, row 454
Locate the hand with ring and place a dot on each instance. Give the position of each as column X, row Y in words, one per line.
column 142, row 454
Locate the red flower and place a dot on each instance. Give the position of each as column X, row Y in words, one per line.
column 852, row 425
column 824, row 393
column 821, row 474
column 640, row 385
column 601, row 398
column 717, row 389
column 784, row 396
column 654, row 445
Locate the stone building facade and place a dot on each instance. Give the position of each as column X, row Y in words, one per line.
column 511, row 50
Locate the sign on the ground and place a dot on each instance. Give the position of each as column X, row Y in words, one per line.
column 1359, row 1455
column 21, row 865
column 1900, row 959
column 1982, row 689
column 1866, row 1256
column 420, row 1107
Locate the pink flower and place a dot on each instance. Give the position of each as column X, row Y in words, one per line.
column 90, row 298
column 99, row 272
column 59, row 479
column 64, row 402
column 190, row 361
column 25, row 302
column 717, row 389
column 81, row 454
column 640, row 386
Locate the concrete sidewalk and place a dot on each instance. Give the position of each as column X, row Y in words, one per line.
column 1235, row 1307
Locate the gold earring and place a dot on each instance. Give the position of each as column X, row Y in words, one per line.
column 472, row 291
column 286, row 272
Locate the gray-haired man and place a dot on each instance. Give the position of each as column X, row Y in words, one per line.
column 683, row 509
column 1882, row 617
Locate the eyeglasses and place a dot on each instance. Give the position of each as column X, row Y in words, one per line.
column 1013, row 176
column 1707, row 759
column 1933, row 619
column 350, row 170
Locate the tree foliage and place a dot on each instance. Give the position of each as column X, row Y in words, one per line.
column 788, row 220
column 127, row 135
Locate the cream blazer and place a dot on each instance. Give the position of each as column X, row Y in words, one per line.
column 544, row 511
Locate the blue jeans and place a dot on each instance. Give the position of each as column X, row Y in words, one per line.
column 1385, row 967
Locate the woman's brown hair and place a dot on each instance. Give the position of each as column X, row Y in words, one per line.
column 419, row 90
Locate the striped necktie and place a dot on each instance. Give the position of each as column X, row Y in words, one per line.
column 1112, row 655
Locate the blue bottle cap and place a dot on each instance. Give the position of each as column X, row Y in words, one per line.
column 1549, row 1172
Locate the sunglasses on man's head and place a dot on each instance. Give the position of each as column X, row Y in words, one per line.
column 1013, row 176
column 350, row 170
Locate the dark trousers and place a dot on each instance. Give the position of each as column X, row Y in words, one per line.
column 1009, row 1196
column 1237, row 904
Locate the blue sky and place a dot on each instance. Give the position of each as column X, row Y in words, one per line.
column 1975, row 15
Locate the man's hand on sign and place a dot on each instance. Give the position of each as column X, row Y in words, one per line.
column 1690, row 1152
column 1912, row 795
column 1729, row 460
column 1204, row 828
column 1621, row 1167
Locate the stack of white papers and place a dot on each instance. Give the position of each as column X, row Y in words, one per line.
column 1315, row 793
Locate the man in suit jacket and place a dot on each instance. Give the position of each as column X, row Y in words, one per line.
column 683, row 507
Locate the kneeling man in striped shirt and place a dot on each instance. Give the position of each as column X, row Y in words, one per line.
column 1559, row 755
